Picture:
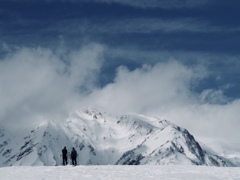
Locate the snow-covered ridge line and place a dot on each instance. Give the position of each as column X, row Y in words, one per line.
column 102, row 139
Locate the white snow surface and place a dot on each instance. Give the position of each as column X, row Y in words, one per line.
column 104, row 139
column 119, row 172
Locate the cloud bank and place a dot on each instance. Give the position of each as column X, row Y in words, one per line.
column 166, row 90
column 38, row 84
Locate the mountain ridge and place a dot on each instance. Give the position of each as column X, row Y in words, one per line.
column 102, row 139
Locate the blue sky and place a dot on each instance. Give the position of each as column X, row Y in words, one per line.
column 206, row 30
column 111, row 53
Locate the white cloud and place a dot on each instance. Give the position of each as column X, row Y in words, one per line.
column 217, row 121
column 164, row 90
column 146, row 87
column 213, row 96
column 136, row 25
column 151, row 25
column 35, row 83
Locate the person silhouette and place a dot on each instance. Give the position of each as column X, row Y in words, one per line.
column 74, row 157
column 64, row 156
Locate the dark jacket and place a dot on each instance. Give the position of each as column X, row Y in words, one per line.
column 64, row 152
column 73, row 153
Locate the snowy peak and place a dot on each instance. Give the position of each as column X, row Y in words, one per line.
column 101, row 138
column 170, row 144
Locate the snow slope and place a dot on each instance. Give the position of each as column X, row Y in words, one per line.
column 102, row 139
column 120, row 173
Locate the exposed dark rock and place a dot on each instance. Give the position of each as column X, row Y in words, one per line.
column 92, row 150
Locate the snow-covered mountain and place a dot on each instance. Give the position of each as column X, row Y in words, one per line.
column 102, row 139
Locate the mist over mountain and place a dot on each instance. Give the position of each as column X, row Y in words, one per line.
column 177, row 60
column 101, row 138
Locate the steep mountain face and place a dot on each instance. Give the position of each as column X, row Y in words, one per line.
column 102, row 139
column 170, row 144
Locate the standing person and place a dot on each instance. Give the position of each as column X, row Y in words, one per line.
column 74, row 157
column 64, row 156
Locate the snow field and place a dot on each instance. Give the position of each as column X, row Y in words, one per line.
column 119, row 173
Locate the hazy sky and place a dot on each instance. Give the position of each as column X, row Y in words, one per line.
column 178, row 60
